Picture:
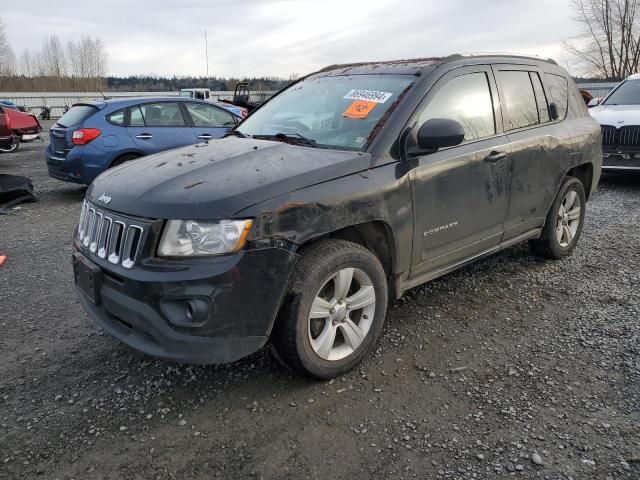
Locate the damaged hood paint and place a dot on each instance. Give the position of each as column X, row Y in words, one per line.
column 216, row 180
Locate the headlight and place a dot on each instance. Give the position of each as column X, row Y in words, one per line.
column 191, row 238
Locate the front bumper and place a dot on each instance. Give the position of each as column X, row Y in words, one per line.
column 621, row 160
column 141, row 306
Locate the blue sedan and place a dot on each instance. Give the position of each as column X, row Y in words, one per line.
column 94, row 136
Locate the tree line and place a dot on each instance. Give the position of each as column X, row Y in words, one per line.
column 77, row 65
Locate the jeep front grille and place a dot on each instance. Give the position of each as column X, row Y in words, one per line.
column 110, row 237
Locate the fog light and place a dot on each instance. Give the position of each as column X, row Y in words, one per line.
column 186, row 312
column 196, row 310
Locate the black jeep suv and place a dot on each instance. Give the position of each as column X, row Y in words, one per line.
column 349, row 187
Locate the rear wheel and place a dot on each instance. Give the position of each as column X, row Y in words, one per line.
column 334, row 311
column 564, row 222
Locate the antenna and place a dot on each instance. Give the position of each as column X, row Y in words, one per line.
column 206, row 50
column 103, row 95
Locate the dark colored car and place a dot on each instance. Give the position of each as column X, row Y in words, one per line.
column 343, row 191
column 94, row 136
column 21, row 127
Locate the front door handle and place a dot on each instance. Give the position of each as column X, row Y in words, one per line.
column 495, row 157
column 205, row 136
column 144, row 136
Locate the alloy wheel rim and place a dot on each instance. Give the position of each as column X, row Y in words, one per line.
column 341, row 314
column 568, row 219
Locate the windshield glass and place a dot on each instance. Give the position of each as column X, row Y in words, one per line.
column 329, row 112
column 627, row 94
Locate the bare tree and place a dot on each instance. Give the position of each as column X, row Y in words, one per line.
column 608, row 45
column 53, row 57
column 7, row 58
column 26, row 64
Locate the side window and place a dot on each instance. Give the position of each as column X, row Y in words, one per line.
column 117, row 118
column 136, row 119
column 162, row 115
column 541, row 99
column 466, row 99
column 519, row 106
column 209, row 116
column 558, row 93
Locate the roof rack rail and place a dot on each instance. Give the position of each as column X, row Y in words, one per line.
column 498, row 54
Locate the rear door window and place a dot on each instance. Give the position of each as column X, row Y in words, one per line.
column 76, row 115
column 467, row 100
column 161, row 115
column 135, row 117
column 209, row 116
column 541, row 98
column 558, row 93
column 519, row 106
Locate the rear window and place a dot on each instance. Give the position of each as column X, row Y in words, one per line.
column 558, row 93
column 76, row 114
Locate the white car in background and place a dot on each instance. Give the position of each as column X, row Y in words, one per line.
column 619, row 116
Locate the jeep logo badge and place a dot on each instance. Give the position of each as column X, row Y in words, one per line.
column 104, row 199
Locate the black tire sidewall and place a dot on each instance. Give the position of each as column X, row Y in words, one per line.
column 352, row 258
column 571, row 184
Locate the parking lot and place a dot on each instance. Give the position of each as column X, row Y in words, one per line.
column 510, row 368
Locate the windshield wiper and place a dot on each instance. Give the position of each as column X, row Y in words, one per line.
column 296, row 137
column 236, row 133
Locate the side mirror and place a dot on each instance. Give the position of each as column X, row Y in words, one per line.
column 553, row 111
column 435, row 134
column 594, row 102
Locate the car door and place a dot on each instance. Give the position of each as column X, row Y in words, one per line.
column 158, row 126
column 539, row 146
column 461, row 193
column 208, row 120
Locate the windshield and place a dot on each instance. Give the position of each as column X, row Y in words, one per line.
column 628, row 93
column 186, row 94
column 329, row 112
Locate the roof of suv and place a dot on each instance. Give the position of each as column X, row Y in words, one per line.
column 417, row 66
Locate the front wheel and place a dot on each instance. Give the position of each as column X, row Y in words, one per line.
column 12, row 148
column 334, row 310
column 564, row 222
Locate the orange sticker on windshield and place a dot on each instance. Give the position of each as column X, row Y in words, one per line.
column 359, row 109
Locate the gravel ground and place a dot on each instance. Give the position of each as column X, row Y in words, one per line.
column 510, row 368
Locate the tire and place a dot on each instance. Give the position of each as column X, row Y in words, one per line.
column 123, row 159
column 305, row 344
column 11, row 149
column 563, row 225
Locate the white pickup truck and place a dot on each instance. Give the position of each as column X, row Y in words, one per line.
column 207, row 95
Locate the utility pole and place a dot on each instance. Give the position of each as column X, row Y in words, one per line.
column 206, row 51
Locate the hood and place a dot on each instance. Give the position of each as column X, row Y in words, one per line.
column 616, row 115
column 215, row 180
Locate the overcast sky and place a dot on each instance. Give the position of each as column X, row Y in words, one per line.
column 280, row 37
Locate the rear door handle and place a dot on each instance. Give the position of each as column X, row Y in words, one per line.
column 144, row 136
column 495, row 157
column 205, row 136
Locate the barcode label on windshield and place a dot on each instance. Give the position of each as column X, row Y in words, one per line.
column 368, row 96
